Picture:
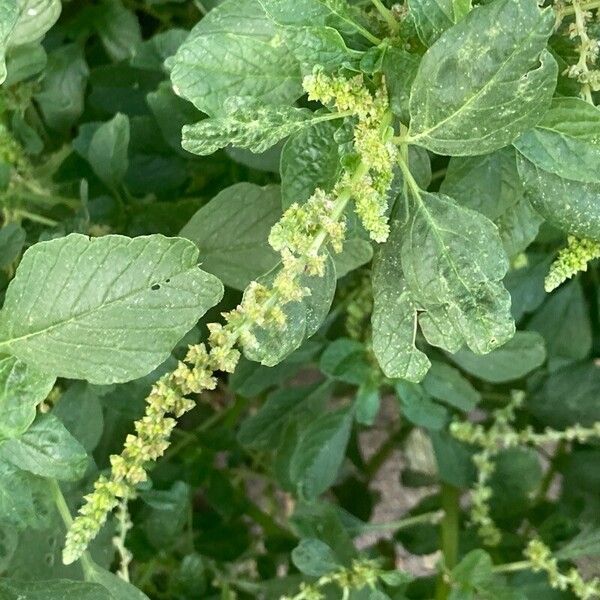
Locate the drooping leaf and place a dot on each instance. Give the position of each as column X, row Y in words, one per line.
column 547, row 193
column 232, row 232
column 107, row 309
column 319, row 453
column 433, row 17
column 22, row 388
column 467, row 99
column 46, row 449
column 254, row 127
column 235, row 50
column 104, row 146
column 566, row 142
column 453, row 262
column 520, row 355
column 394, row 317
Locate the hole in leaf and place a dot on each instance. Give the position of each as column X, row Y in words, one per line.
column 155, row 287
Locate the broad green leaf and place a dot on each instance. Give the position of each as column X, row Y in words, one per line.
column 236, row 50
column 566, row 141
column 319, row 453
column 118, row 29
column 433, row 17
column 23, row 62
column 263, row 429
column 104, row 146
column 568, row 396
column 400, row 69
column 118, row 588
column 346, row 360
column 520, row 355
column 454, row 459
column 394, row 318
column 453, row 262
column 309, row 160
column 61, row 97
column 367, row 403
column 580, row 215
column 57, row 589
column 485, row 81
column 491, row 185
column 587, row 543
column 445, row 383
column 9, row 13
column 232, row 232
column 36, row 17
column 9, row 540
column 564, row 322
column 256, row 128
column 315, row 558
column 17, row 507
column 80, row 411
column 525, row 283
column 104, row 309
column 46, row 449
column 22, row 388
column 418, row 407
column 12, row 239
column 303, row 318
column 151, row 54
column 354, row 254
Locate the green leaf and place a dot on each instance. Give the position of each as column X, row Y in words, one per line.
column 57, row 589
column 104, row 146
column 394, row 318
column 547, row 192
column 587, row 543
column 256, row 128
column 491, row 185
column 118, row 29
column 433, row 17
column 454, row 459
column 346, row 360
column 566, row 141
column 61, row 98
column 568, row 397
column 104, row 309
column 118, row 588
column 22, row 388
column 564, row 322
column 47, row 449
column 468, row 99
column 263, row 429
column 319, row 453
column 235, row 50
column 400, row 69
column 303, row 318
column 309, row 160
column 315, row 558
column 520, row 355
column 232, row 232
column 12, row 239
column 36, row 17
column 445, row 383
column 418, row 407
column 453, row 262
column 8, row 18
column 354, row 254
column 18, row 507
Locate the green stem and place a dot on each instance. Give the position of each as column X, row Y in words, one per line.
column 61, row 505
column 426, row 518
column 570, row 9
column 25, row 214
column 449, row 534
column 521, row 565
column 387, row 15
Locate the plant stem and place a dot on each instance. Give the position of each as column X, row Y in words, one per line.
column 65, row 514
column 429, row 517
column 35, row 217
column 512, row 567
column 387, row 15
column 449, row 535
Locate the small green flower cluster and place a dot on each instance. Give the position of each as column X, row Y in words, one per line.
column 501, row 435
column 359, row 309
column 541, row 559
column 589, row 49
column 361, row 574
column 571, row 260
column 372, row 142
